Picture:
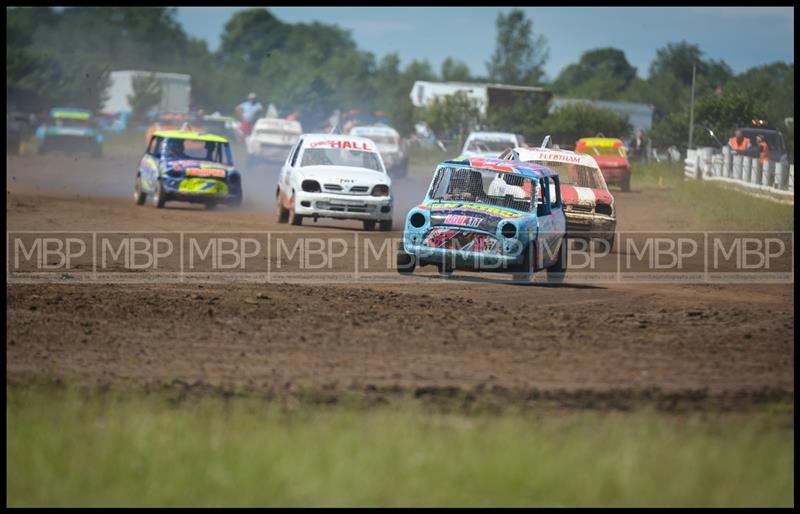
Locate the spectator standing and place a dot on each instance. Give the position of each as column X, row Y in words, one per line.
column 763, row 150
column 739, row 143
column 248, row 114
column 638, row 146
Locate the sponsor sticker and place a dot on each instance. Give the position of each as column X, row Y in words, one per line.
column 205, row 172
column 345, row 145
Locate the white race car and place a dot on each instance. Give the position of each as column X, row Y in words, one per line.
column 335, row 176
column 272, row 138
column 489, row 144
column 390, row 145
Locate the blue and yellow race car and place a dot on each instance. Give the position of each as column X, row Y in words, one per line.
column 488, row 214
column 70, row 130
column 190, row 167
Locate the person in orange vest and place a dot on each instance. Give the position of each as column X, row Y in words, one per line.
column 738, row 143
column 763, row 150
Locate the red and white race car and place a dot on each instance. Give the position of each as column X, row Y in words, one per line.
column 588, row 205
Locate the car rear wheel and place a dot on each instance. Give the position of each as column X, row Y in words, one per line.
column 369, row 225
column 159, row 196
column 139, row 196
column 385, row 226
column 626, row 184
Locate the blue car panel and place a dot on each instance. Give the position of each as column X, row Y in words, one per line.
column 480, row 214
column 189, row 178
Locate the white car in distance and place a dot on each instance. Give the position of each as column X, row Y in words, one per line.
column 490, row 144
column 271, row 139
column 335, row 176
column 390, row 145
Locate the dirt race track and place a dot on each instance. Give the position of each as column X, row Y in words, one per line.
column 472, row 338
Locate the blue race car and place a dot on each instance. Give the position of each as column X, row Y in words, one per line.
column 70, row 130
column 190, row 167
column 488, row 214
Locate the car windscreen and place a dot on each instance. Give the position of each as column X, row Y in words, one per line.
column 341, row 157
column 381, row 139
column 575, row 174
column 486, row 146
column 498, row 189
column 211, row 151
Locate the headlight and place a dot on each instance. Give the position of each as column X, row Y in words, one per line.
column 380, row 190
column 311, row 186
column 603, row 208
column 509, row 230
column 417, row 220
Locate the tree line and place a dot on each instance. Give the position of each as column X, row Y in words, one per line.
column 64, row 57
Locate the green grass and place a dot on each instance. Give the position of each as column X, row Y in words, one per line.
column 717, row 205
column 71, row 448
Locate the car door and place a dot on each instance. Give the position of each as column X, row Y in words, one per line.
column 285, row 180
column 552, row 224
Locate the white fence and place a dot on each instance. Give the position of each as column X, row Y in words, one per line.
column 773, row 180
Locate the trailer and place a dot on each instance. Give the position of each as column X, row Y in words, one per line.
column 176, row 90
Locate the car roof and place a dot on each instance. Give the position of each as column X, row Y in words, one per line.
column 69, row 113
column 194, row 136
column 311, row 139
column 759, row 131
column 276, row 122
column 372, row 129
column 553, row 155
column 601, row 141
column 493, row 135
column 525, row 169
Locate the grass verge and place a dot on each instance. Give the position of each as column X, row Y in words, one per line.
column 68, row 447
column 714, row 203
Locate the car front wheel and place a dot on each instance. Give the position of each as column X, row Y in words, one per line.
column 557, row 271
column 405, row 261
column 523, row 273
column 294, row 219
column 139, row 196
column 159, row 196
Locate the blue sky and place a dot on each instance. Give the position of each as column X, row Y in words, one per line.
column 742, row 36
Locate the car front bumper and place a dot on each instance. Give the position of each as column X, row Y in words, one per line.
column 270, row 152
column 615, row 175
column 508, row 255
column 201, row 190
column 354, row 207
column 590, row 226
